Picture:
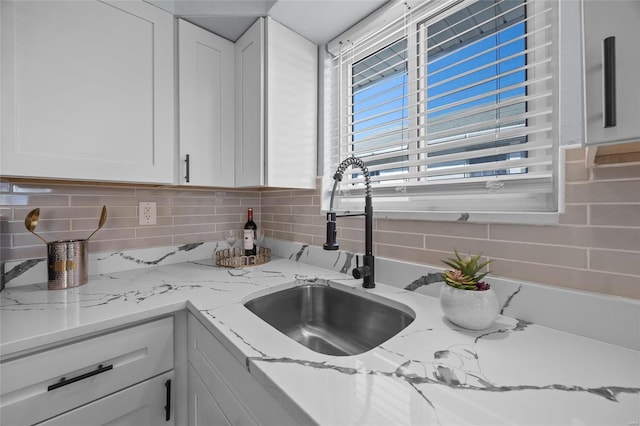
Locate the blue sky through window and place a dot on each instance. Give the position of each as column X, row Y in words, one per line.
column 459, row 74
column 483, row 71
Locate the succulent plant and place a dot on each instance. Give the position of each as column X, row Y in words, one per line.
column 465, row 273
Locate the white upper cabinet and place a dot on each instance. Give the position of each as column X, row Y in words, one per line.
column 249, row 85
column 276, row 107
column 611, row 32
column 206, row 87
column 87, row 91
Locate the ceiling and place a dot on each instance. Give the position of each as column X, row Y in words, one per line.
column 318, row 20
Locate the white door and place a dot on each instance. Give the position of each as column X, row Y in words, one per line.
column 276, row 107
column 87, row 91
column 207, row 128
column 292, row 84
column 203, row 409
column 249, row 57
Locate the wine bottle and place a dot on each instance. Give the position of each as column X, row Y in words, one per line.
column 250, row 235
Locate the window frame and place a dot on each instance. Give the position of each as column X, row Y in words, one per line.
column 384, row 38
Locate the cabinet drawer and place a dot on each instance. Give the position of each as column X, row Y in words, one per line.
column 141, row 405
column 33, row 388
column 242, row 399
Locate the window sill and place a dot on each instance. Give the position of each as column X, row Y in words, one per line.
column 537, row 218
column 477, row 217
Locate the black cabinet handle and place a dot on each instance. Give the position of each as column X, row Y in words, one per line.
column 64, row 381
column 167, row 407
column 610, row 82
column 187, row 161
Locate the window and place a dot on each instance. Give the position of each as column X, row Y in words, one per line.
column 452, row 109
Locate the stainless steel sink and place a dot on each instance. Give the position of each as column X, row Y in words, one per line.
column 329, row 320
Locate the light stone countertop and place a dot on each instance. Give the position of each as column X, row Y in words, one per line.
column 432, row 372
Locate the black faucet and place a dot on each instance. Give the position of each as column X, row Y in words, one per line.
column 367, row 270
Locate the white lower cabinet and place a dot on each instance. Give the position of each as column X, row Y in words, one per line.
column 134, row 376
column 220, row 386
column 83, row 381
column 203, row 408
column 144, row 404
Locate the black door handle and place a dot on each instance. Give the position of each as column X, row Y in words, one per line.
column 64, row 381
column 167, row 407
column 609, row 82
column 187, row 161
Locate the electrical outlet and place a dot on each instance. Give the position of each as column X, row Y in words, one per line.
column 148, row 214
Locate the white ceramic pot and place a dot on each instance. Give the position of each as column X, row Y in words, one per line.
column 475, row 310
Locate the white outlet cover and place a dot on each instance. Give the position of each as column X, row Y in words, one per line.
column 147, row 213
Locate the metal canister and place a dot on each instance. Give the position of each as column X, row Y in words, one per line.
column 67, row 263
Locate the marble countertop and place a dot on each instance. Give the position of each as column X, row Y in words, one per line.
column 430, row 373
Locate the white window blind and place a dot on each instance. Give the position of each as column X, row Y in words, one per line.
column 451, row 110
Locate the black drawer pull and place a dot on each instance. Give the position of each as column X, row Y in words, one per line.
column 167, row 407
column 64, row 381
column 188, row 174
column 610, row 82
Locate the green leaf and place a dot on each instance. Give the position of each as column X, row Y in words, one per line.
column 481, row 276
column 482, row 265
column 450, row 264
column 469, row 268
column 457, row 254
column 472, row 264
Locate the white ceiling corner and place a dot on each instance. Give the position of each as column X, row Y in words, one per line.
column 322, row 20
column 317, row 20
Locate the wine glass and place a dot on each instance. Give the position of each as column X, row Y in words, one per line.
column 231, row 235
column 259, row 238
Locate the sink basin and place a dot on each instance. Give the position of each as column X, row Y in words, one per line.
column 329, row 320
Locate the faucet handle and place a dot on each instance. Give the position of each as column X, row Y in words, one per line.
column 366, row 271
column 361, row 272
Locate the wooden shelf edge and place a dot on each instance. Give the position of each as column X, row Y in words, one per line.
column 606, row 155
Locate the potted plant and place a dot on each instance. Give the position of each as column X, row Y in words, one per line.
column 465, row 299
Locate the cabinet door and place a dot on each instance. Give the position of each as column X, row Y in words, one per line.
column 144, row 404
column 276, row 107
column 206, row 64
column 87, row 90
column 292, row 85
column 44, row 384
column 240, row 397
column 203, row 409
column 249, row 57
column 619, row 19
